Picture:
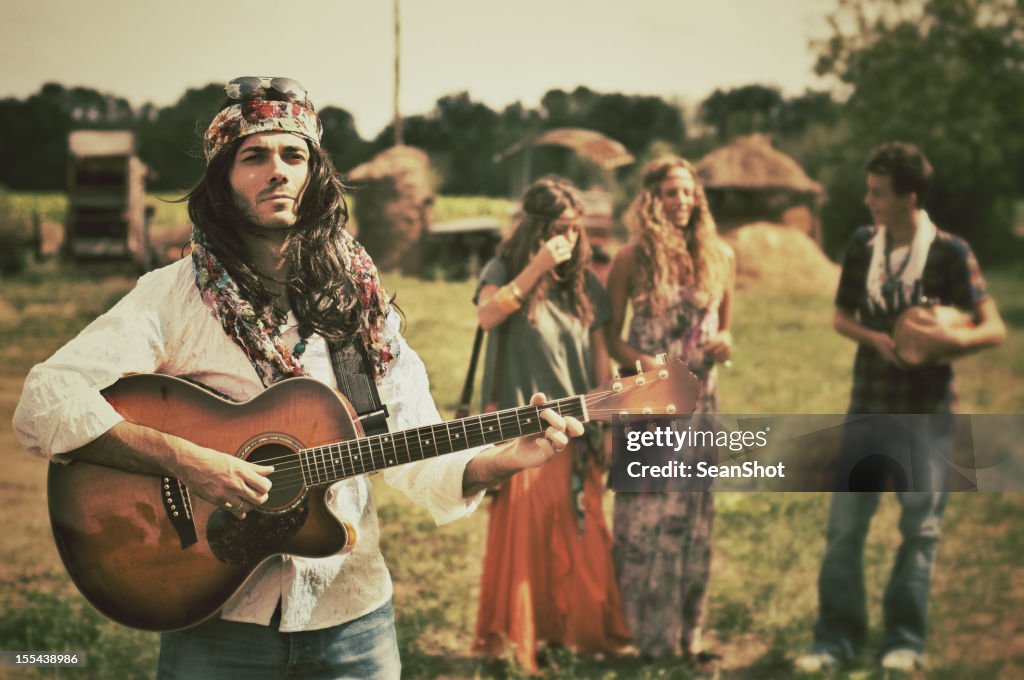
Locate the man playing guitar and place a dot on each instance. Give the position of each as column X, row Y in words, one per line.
column 273, row 280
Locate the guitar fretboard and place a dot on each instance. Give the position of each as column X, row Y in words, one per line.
column 332, row 462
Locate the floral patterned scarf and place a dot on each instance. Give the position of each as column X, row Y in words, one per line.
column 261, row 340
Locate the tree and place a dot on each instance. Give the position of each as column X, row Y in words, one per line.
column 742, row 111
column 948, row 76
column 796, row 115
column 461, row 136
column 171, row 142
column 342, row 140
column 34, row 132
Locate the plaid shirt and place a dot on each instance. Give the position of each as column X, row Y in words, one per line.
column 951, row 277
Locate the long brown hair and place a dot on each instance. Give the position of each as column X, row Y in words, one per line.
column 543, row 203
column 319, row 288
column 670, row 256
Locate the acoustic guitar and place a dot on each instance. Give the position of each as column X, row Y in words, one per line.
column 150, row 555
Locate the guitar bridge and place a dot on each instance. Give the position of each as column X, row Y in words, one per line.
column 178, row 506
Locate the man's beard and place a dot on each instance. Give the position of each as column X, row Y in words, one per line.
column 250, row 224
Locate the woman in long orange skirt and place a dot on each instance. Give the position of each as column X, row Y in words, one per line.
column 547, row 575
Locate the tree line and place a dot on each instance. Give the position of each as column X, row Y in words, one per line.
column 947, row 75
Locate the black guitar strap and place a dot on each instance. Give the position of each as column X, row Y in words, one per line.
column 355, row 380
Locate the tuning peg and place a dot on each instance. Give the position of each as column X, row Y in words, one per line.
column 639, row 367
column 661, row 359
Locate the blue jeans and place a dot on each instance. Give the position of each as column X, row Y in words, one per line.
column 842, row 622
column 219, row 649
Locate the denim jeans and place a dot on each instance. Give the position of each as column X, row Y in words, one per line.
column 842, row 622
column 219, row 649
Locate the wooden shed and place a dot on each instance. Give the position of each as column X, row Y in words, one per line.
column 106, row 212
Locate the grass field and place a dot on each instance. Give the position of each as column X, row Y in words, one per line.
column 767, row 547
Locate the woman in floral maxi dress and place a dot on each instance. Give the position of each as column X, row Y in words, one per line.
column 678, row 276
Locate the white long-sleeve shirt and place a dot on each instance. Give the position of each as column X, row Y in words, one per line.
column 162, row 326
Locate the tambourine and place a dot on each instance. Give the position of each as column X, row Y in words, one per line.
column 915, row 351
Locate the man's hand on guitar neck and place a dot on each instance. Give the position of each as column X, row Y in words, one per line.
column 218, row 478
column 496, row 464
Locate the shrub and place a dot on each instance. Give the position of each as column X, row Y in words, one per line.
column 15, row 237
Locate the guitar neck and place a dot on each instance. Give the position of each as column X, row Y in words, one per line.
column 332, row 462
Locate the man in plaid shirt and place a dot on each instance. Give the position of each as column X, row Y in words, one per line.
column 890, row 266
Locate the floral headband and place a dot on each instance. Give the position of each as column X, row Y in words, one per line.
column 257, row 115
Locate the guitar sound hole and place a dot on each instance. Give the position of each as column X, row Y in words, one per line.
column 287, row 486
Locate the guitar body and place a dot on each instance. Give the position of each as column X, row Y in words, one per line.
column 146, row 553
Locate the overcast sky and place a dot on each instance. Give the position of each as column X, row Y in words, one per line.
column 343, row 50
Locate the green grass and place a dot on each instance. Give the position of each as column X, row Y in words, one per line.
column 767, row 547
column 457, row 207
column 49, row 205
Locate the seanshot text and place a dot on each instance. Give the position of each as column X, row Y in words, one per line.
column 679, row 469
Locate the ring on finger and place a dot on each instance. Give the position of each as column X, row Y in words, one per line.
column 228, row 506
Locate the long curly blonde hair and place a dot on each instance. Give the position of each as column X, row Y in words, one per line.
column 667, row 256
column 543, row 203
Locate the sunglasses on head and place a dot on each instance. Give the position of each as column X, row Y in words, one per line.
column 240, row 88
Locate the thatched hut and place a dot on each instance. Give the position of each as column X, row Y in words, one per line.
column 749, row 180
column 393, row 200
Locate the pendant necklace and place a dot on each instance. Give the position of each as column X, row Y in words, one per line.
column 892, row 278
column 299, row 347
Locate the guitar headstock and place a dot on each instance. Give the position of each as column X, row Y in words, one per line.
column 669, row 389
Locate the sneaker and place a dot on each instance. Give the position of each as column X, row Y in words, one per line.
column 816, row 662
column 903, row 660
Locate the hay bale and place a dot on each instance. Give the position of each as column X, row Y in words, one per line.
column 781, row 259
column 394, row 195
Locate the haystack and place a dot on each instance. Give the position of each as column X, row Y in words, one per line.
column 393, row 199
column 749, row 180
column 781, row 259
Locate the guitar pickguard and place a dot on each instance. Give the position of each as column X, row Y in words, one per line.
column 247, row 541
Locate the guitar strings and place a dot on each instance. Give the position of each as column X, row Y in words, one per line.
column 378, row 440
column 498, row 416
column 289, row 472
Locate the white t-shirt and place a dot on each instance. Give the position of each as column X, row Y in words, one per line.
column 163, row 326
